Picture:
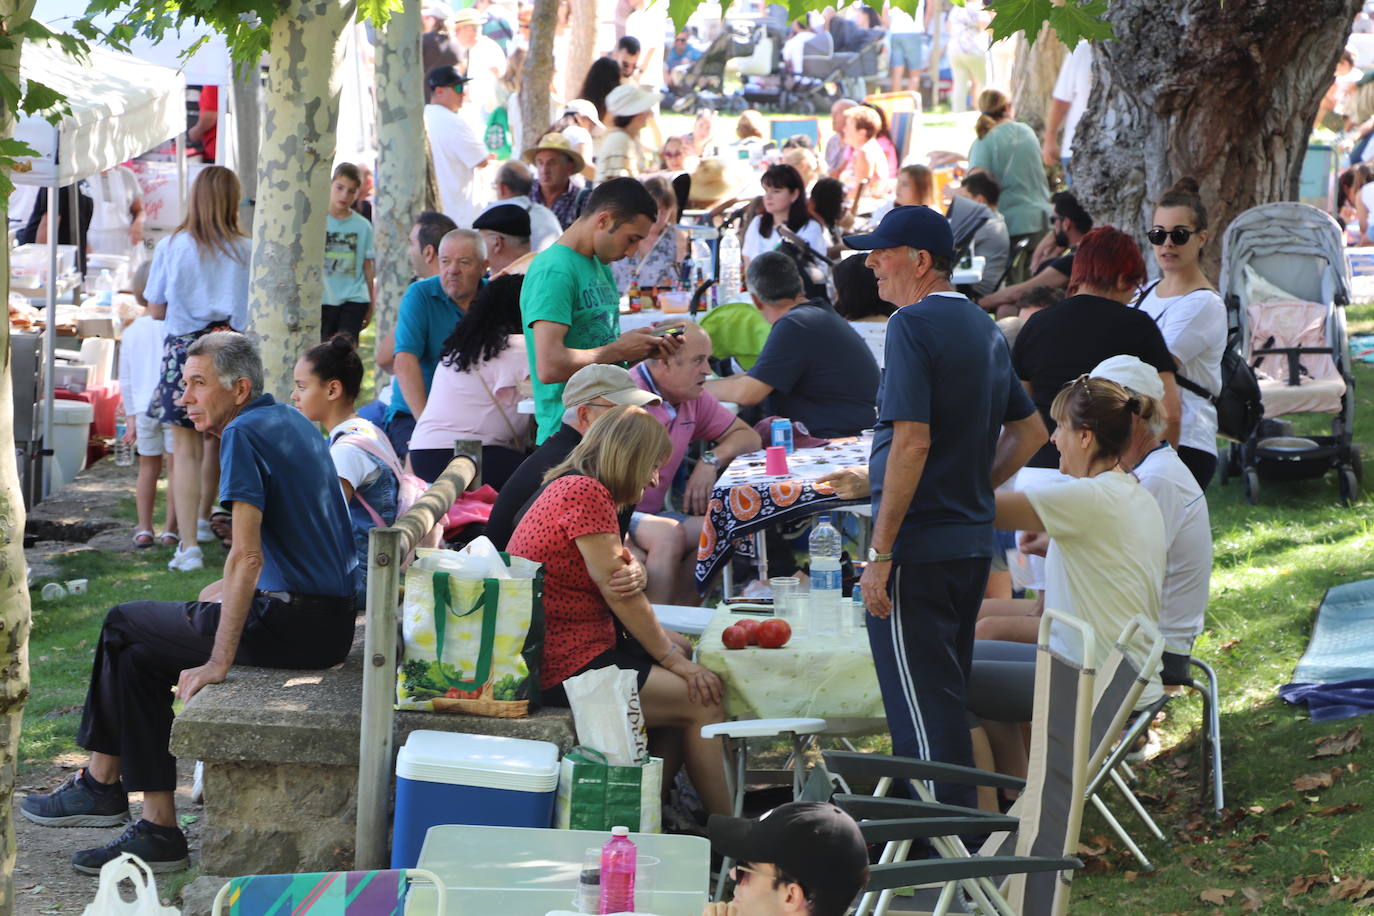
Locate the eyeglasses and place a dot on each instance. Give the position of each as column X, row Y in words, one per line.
column 749, row 870
column 1177, row 236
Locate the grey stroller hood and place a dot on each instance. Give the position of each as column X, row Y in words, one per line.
column 1294, row 246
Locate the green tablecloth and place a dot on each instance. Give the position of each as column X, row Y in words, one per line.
column 829, row 677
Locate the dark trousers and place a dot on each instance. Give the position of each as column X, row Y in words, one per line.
column 346, row 318
column 923, row 654
column 1202, row 464
column 399, row 429
column 145, row 645
column 497, row 463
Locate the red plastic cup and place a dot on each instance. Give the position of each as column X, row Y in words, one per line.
column 775, row 460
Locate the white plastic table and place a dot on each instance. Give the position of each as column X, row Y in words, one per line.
column 530, row 871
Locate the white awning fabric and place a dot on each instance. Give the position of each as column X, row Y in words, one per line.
column 121, row 107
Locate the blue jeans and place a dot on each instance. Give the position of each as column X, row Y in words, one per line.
column 923, row 654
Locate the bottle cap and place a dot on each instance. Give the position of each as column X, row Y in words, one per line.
column 620, row 831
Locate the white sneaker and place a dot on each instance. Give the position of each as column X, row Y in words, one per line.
column 203, row 533
column 186, row 560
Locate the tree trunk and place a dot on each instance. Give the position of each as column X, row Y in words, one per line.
column 402, row 189
column 1225, row 93
column 14, row 587
column 1034, row 75
column 246, row 91
column 297, row 154
column 535, row 112
column 582, row 29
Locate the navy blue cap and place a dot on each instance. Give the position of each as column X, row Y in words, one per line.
column 446, row 76
column 917, row 227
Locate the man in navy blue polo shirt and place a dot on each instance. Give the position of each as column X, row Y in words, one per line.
column 953, row 424
column 287, row 600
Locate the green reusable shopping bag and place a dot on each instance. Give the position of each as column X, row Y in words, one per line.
column 594, row 795
column 472, row 645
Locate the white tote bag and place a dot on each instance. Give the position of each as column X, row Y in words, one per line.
column 109, row 902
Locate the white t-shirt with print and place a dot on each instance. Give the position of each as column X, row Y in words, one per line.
column 1194, row 329
column 1106, row 559
column 1188, row 534
column 1073, row 86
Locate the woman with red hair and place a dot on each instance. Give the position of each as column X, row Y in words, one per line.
column 1062, row 342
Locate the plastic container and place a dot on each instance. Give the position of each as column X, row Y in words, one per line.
column 71, row 429
column 730, row 282
column 105, row 288
column 455, row 778
column 826, row 579
column 675, row 302
column 618, row 857
column 123, row 451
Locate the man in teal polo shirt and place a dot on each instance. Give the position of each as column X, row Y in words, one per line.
column 429, row 310
column 570, row 302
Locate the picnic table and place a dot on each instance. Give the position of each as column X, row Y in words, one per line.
column 746, row 500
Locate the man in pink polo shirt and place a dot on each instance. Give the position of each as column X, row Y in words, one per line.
column 690, row 415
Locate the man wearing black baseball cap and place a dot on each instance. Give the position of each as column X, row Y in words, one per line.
column 455, row 145
column 947, row 391
column 802, row 857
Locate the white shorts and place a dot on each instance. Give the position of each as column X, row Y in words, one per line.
column 152, row 437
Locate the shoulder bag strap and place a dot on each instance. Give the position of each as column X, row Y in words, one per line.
column 516, row 439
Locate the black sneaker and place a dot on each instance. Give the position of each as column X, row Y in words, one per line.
column 76, row 804
column 163, row 848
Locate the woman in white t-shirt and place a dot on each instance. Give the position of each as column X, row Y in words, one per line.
column 326, row 382
column 477, row 389
column 1192, row 319
column 784, row 203
column 1106, row 558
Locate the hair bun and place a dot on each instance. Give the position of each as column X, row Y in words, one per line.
column 342, row 342
column 1187, row 184
column 1133, row 405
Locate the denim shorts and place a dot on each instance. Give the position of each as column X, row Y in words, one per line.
column 910, row 50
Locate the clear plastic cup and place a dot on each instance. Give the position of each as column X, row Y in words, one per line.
column 588, row 898
column 646, row 876
column 786, row 598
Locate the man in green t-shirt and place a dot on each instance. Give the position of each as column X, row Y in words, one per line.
column 570, row 303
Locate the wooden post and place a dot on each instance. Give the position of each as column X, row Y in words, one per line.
column 387, row 548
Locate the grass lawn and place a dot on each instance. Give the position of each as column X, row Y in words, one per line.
column 1273, row 563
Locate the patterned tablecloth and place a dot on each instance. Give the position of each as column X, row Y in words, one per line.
column 829, row 677
column 746, row 500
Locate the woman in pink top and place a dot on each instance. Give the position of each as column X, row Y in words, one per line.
column 477, row 387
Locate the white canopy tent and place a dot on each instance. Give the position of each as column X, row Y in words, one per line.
column 121, row 107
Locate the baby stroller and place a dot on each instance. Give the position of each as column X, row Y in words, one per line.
column 1285, row 281
column 703, row 85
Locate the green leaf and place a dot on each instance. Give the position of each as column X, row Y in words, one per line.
column 1077, row 20
column 44, row 100
column 679, row 11
column 10, row 151
column 1012, row 16
column 378, row 12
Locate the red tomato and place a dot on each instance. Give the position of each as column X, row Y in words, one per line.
column 735, row 637
column 774, row 634
column 750, row 626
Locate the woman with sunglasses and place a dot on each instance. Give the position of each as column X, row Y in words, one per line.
column 1192, row 318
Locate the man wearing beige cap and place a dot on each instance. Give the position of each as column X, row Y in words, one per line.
column 556, row 163
column 590, row 392
column 484, row 61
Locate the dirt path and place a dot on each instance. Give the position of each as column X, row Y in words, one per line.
column 44, row 881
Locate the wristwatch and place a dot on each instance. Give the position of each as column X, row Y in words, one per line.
column 711, row 458
column 875, row 557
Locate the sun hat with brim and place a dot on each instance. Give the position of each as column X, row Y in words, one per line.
column 711, row 183
column 437, row 11
column 610, row 382
column 559, row 144
column 915, row 227
column 587, row 110
column 627, row 100
column 1130, row 372
column 467, row 17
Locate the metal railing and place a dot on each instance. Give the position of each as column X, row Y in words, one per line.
column 387, row 549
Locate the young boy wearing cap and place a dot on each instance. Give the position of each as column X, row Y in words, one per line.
column 802, row 857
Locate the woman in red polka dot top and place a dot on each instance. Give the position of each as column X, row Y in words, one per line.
column 571, row 528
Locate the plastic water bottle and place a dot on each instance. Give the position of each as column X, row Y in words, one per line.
column 618, row 857
column 105, row 288
column 123, row 451
column 826, row 579
column 729, row 267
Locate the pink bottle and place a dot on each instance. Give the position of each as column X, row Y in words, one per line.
column 618, row 857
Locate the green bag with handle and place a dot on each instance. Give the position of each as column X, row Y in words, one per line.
column 596, row 795
column 471, row 642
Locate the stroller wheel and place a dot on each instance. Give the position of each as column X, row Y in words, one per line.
column 1250, row 479
column 1349, row 486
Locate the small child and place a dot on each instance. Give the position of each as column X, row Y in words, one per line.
column 349, row 279
column 140, row 364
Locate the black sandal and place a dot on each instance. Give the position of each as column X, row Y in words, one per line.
column 221, row 523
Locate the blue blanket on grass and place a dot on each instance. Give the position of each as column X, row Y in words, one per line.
column 1335, row 677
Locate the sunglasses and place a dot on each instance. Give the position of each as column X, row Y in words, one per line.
column 1177, row 236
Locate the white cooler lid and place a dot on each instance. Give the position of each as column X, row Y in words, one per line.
column 487, row 761
column 76, row 413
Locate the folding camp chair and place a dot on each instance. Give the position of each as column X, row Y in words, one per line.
column 1031, row 847
column 336, row 893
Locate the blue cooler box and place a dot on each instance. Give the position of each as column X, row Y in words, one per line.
column 455, row 778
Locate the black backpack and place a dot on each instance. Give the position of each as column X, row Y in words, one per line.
column 1238, row 405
